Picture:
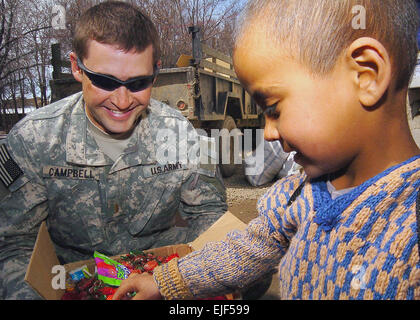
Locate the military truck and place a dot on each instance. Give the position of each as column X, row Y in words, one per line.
column 203, row 87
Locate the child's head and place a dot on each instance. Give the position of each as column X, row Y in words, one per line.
column 317, row 31
column 319, row 79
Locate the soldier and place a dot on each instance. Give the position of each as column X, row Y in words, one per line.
column 93, row 164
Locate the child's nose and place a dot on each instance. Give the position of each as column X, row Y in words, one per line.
column 270, row 130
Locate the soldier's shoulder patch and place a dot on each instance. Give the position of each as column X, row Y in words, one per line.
column 9, row 169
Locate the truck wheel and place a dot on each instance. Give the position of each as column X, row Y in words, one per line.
column 227, row 170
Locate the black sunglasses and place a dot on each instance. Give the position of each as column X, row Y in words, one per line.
column 110, row 83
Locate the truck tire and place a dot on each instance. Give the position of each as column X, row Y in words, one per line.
column 227, row 170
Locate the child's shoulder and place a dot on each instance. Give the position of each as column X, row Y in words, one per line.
column 281, row 191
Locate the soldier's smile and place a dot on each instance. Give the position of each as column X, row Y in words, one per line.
column 119, row 115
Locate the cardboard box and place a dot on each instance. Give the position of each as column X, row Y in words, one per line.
column 39, row 274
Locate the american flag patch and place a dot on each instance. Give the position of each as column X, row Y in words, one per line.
column 9, row 170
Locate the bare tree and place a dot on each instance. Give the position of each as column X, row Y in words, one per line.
column 73, row 9
column 23, row 36
column 216, row 19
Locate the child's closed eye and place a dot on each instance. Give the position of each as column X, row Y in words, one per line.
column 271, row 112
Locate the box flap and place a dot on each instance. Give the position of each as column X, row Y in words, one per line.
column 39, row 273
column 219, row 230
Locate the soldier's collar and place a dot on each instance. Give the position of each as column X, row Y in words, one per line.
column 82, row 149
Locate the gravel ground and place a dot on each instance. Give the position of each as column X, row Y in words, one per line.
column 241, row 196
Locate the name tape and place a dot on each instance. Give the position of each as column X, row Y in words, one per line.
column 70, row 173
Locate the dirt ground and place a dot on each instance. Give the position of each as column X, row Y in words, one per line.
column 242, row 200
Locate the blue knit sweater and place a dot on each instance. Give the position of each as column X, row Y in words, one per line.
column 361, row 245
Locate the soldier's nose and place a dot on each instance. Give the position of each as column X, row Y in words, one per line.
column 121, row 98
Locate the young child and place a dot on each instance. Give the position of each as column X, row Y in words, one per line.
column 333, row 90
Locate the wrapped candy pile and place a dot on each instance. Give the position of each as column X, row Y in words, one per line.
column 109, row 274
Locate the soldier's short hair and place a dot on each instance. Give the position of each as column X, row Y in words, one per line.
column 116, row 23
column 318, row 31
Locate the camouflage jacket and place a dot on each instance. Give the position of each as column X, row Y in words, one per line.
column 91, row 203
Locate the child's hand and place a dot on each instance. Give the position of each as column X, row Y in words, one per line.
column 143, row 285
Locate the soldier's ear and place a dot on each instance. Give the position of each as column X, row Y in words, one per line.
column 159, row 66
column 75, row 70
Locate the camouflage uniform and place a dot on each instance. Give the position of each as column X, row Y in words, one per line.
column 91, row 203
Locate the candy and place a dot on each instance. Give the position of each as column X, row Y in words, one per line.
column 80, row 273
column 110, row 271
column 109, row 274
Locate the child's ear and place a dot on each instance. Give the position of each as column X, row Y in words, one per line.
column 371, row 64
column 75, row 70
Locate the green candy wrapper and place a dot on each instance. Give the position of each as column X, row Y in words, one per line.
column 110, row 271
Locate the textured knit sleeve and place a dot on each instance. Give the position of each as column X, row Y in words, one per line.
column 222, row 267
column 239, row 260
